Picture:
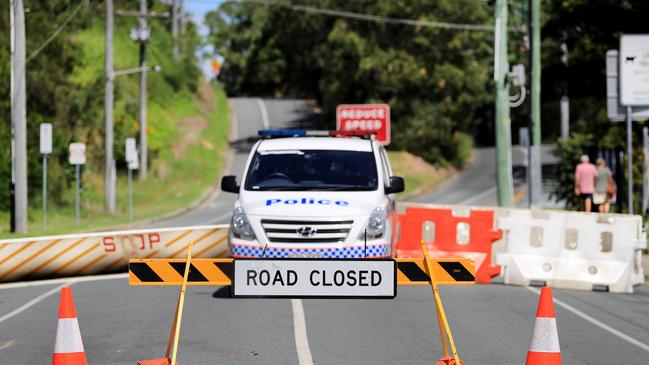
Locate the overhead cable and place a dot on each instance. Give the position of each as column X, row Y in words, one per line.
column 364, row 16
column 56, row 32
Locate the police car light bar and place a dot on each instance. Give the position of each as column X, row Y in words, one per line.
column 277, row 133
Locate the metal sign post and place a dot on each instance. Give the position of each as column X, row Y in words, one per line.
column 77, row 157
column 645, row 170
column 133, row 163
column 629, row 158
column 76, row 204
column 130, row 194
column 46, row 150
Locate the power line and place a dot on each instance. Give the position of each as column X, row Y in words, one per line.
column 365, row 17
column 56, row 32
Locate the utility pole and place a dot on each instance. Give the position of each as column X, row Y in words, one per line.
column 142, row 34
column 183, row 17
column 143, row 127
column 109, row 181
column 18, row 116
column 174, row 28
column 564, row 103
column 12, row 183
column 535, row 151
column 503, row 122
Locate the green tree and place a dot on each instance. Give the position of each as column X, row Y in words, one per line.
column 435, row 80
column 65, row 87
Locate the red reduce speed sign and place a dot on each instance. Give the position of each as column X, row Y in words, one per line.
column 365, row 118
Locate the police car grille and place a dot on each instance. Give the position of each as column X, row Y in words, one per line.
column 285, row 231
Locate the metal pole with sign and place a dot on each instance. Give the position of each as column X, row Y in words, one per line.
column 46, row 150
column 132, row 164
column 77, row 157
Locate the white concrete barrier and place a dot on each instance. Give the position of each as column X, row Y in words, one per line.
column 572, row 250
column 101, row 252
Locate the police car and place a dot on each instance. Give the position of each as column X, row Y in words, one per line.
column 314, row 194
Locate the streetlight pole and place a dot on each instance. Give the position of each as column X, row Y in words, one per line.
column 143, row 126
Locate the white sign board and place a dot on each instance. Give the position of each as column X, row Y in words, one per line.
column 314, row 278
column 131, row 149
column 617, row 112
column 77, row 153
column 634, row 70
column 46, row 138
column 134, row 164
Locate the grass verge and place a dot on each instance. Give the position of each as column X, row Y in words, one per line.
column 420, row 176
column 179, row 175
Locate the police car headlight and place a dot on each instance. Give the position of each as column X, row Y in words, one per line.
column 241, row 226
column 376, row 223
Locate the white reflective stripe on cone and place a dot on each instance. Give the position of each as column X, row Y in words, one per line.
column 68, row 336
column 545, row 337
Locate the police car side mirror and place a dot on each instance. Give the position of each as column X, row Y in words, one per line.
column 229, row 184
column 396, row 185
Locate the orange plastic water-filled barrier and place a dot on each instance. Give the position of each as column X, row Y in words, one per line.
column 469, row 237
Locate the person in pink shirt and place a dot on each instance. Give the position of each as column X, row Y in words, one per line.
column 585, row 175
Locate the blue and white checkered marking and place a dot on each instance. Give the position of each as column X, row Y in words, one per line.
column 332, row 253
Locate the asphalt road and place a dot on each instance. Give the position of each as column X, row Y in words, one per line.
column 492, row 324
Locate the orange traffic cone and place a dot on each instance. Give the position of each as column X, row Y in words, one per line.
column 68, row 349
column 544, row 346
column 448, row 360
column 161, row 361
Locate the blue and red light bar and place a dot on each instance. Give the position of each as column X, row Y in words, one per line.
column 278, row 133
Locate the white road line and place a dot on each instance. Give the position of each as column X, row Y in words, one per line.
column 7, row 344
column 301, row 341
column 24, row 284
column 32, row 302
column 474, row 198
column 264, row 113
column 595, row 322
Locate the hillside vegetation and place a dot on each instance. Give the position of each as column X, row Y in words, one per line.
column 188, row 119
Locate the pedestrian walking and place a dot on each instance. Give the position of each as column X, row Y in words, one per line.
column 605, row 189
column 585, row 175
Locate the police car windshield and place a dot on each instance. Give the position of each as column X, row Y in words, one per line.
column 323, row 170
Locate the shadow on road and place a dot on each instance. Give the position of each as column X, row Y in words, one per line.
column 222, row 293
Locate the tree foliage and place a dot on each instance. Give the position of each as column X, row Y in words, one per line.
column 65, row 87
column 435, row 80
column 589, row 29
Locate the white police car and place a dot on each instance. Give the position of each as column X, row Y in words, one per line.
column 313, row 194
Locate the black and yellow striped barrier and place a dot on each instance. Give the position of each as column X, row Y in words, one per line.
column 220, row 272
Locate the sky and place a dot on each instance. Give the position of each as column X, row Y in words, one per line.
column 198, row 9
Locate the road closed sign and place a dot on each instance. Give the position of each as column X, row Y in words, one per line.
column 365, row 118
column 313, row 278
